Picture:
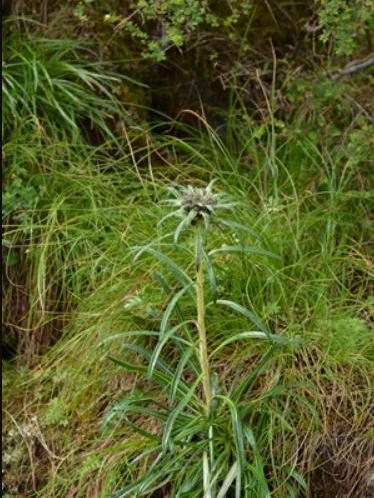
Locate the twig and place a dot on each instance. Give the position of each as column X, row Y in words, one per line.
column 353, row 67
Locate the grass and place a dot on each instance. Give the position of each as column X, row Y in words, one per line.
column 75, row 251
column 77, row 202
column 56, row 87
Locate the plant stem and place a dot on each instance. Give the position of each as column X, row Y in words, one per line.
column 204, row 362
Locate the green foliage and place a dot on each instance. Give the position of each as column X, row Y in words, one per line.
column 344, row 23
column 50, row 89
column 158, row 26
column 312, row 215
column 52, row 92
column 19, row 194
column 348, row 339
column 207, row 442
column 292, row 150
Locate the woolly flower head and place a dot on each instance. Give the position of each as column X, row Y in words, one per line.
column 195, row 204
column 199, row 200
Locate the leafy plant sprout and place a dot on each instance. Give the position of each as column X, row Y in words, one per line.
column 208, row 447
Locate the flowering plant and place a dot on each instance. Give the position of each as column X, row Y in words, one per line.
column 207, row 446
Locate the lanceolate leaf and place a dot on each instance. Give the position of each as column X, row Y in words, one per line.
column 206, row 219
column 211, row 275
column 165, row 468
column 262, row 487
column 142, row 431
column 238, row 226
column 163, row 339
column 245, row 249
column 145, row 353
column 164, row 378
column 245, row 312
column 129, row 333
column 238, row 438
column 254, row 334
column 206, row 476
column 178, row 273
column 185, row 223
column 170, row 307
column 124, row 406
column 174, row 414
column 169, row 215
column 143, row 249
column 167, row 289
column 198, row 247
column 248, row 381
column 229, row 479
column 178, row 373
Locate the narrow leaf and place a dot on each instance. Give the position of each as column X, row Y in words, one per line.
column 241, row 335
column 211, row 276
column 245, row 312
column 178, row 373
column 185, row 223
column 164, row 378
column 260, row 478
column 170, row 307
column 244, row 249
column 238, row 437
column 176, row 412
column 129, row 333
column 229, row 479
column 206, row 476
column 163, row 340
column 179, row 274
column 248, row 381
column 198, row 248
column 238, row 226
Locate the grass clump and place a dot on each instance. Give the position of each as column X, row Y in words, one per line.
column 53, row 88
column 308, row 408
column 57, row 98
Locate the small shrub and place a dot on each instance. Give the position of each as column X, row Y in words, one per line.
column 344, row 23
column 159, row 26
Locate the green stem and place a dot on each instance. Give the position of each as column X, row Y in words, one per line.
column 203, row 353
column 203, row 349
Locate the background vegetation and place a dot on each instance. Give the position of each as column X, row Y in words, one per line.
column 105, row 104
